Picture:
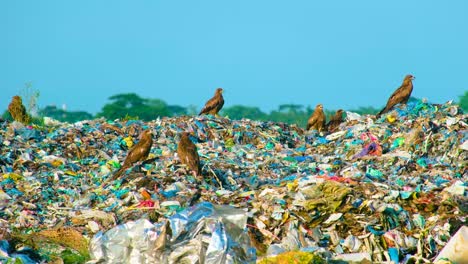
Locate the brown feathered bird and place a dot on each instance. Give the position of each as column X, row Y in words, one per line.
column 317, row 119
column 187, row 152
column 335, row 121
column 400, row 96
column 215, row 104
column 139, row 152
column 17, row 110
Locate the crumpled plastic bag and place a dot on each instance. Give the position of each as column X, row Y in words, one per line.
column 372, row 148
column 456, row 249
column 204, row 233
column 326, row 196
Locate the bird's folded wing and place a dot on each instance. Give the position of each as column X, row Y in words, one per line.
column 210, row 105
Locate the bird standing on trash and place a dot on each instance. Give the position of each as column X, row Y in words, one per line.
column 400, row 96
column 187, row 152
column 215, row 104
column 335, row 121
column 17, row 110
column 317, row 119
column 139, row 152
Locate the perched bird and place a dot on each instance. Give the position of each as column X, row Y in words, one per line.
column 317, row 119
column 400, row 96
column 17, row 110
column 335, row 121
column 139, row 152
column 187, row 152
column 215, row 104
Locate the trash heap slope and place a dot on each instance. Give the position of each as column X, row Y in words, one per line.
column 398, row 182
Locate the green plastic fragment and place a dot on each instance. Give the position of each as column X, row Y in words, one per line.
column 400, row 182
column 398, row 142
column 229, row 143
column 270, row 146
column 374, row 173
column 422, row 163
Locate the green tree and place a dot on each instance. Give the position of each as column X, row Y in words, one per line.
column 290, row 108
column 128, row 104
column 157, row 107
column 366, row 110
column 177, row 110
column 464, row 102
column 64, row 116
column 291, row 114
column 131, row 104
column 240, row 111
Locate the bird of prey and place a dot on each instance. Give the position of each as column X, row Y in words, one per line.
column 335, row 121
column 317, row 119
column 17, row 110
column 400, row 96
column 187, row 152
column 139, row 152
column 215, row 104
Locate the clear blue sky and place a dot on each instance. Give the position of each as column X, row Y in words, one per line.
column 264, row 53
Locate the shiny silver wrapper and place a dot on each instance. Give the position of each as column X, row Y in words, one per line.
column 204, row 233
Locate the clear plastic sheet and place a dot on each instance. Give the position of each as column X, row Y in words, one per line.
column 204, row 233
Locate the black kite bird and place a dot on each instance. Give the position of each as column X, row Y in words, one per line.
column 317, row 119
column 187, row 152
column 139, row 152
column 215, row 104
column 17, row 110
column 400, row 96
column 335, row 121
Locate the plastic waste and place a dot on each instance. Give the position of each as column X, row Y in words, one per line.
column 205, row 233
column 455, row 250
column 369, row 188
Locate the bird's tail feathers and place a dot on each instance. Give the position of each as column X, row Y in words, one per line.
column 383, row 111
column 118, row 173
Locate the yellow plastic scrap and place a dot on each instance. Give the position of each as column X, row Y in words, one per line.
column 128, row 141
column 229, row 143
column 99, row 191
column 56, row 163
column 294, row 257
column 326, row 196
column 113, row 164
column 292, row 185
column 391, row 118
column 247, row 194
column 285, row 217
column 71, row 173
column 13, row 176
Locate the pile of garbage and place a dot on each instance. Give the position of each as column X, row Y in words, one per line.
column 387, row 189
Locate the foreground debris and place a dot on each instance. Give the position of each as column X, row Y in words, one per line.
column 387, row 189
column 201, row 234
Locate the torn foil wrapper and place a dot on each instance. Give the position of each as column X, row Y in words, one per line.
column 204, row 233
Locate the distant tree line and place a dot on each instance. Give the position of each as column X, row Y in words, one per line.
column 132, row 106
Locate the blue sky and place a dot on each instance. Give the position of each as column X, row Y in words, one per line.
column 343, row 54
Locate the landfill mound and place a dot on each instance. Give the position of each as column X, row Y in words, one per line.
column 388, row 189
